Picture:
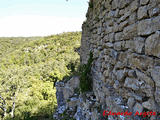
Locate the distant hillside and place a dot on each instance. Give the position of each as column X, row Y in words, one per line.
column 28, row 69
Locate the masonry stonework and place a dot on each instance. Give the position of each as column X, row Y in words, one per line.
column 124, row 36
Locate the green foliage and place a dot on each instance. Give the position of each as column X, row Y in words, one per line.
column 85, row 75
column 28, row 69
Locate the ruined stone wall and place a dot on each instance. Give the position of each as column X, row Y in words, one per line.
column 124, row 36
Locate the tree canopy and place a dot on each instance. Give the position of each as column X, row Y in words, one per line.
column 28, row 69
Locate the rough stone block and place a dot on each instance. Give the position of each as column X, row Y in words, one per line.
column 73, row 82
column 108, row 45
column 119, row 45
column 142, row 12
column 157, row 95
column 131, row 83
column 121, row 74
column 144, row 2
column 144, row 77
column 138, row 107
column 136, row 45
column 122, row 25
column 132, row 73
column 152, row 45
column 131, row 102
column 154, row 11
column 155, row 73
column 120, row 3
column 148, row 26
column 141, row 62
column 119, row 36
column 124, row 17
column 150, row 104
column 134, row 5
column 130, row 31
column 133, row 18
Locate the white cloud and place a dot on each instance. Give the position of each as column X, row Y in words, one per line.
column 38, row 25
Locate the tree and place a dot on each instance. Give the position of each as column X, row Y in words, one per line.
column 3, row 105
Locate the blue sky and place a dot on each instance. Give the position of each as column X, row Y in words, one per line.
column 41, row 17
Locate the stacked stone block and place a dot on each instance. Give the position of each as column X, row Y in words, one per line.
column 124, row 36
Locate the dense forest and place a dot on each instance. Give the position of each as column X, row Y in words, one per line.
column 29, row 68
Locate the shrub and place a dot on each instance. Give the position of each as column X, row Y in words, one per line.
column 85, row 75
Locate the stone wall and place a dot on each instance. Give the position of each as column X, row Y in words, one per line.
column 124, row 36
